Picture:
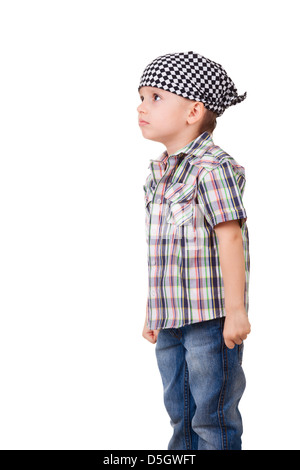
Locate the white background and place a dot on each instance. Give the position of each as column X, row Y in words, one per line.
column 75, row 372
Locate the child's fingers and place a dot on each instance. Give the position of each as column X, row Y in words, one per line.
column 229, row 343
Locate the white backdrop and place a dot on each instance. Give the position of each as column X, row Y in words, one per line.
column 75, row 372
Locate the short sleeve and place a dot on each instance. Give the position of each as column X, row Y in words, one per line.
column 219, row 194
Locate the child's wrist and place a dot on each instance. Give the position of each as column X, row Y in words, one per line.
column 233, row 310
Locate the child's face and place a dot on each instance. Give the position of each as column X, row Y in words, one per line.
column 162, row 114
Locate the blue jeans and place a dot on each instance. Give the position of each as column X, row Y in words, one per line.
column 203, row 382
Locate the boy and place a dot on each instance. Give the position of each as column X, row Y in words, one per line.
column 198, row 251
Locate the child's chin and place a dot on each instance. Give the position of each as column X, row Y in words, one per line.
column 151, row 136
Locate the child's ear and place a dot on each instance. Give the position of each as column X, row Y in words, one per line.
column 196, row 112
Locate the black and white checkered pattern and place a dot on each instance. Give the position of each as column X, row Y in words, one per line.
column 195, row 77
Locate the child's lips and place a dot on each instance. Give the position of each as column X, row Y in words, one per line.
column 143, row 123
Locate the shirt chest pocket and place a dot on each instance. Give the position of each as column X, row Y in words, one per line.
column 180, row 212
column 148, row 196
column 180, row 198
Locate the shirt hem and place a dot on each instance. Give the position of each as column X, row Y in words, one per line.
column 162, row 324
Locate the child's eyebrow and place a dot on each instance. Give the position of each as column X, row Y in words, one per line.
column 153, row 92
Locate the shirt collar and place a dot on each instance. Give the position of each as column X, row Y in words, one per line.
column 193, row 148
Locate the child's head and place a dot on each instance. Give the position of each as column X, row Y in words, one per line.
column 183, row 94
column 166, row 117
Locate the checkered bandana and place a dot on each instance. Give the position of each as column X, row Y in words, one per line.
column 194, row 77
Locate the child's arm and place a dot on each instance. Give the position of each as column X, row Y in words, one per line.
column 232, row 261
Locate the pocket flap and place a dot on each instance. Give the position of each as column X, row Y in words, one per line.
column 148, row 194
column 180, row 192
column 180, row 196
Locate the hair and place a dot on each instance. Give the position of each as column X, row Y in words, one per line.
column 209, row 122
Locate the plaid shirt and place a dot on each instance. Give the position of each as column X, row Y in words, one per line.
column 186, row 195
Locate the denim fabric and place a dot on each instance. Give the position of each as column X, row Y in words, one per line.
column 203, row 382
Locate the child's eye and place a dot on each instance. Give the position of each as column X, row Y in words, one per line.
column 156, row 96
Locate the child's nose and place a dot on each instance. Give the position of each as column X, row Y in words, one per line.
column 142, row 108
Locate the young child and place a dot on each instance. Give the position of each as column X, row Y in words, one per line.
column 198, row 251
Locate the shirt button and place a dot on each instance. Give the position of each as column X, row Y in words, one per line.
column 158, row 200
column 153, row 292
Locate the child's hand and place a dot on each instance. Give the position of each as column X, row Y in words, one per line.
column 150, row 335
column 236, row 328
